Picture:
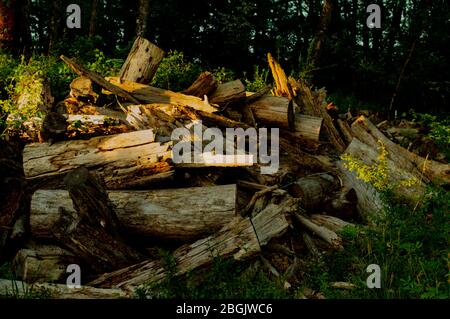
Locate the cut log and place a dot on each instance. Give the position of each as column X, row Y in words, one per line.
column 228, row 93
column 274, row 111
column 43, row 264
column 123, row 160
column 324, row 233
column 151, row 95
column 142, row 62
column 92, row 233
column 20, row 289
column 346, row 131
column 314, row 190
column 177, row 214
column 204, row 85
column 241, row 238
column 422, row 168
column 82, row 89
column 332, row 223
column 253, row 97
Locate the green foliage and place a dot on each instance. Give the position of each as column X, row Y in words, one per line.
column 103, row 65
column 438, row 130
column 258, row 81
column 223, row 75
column 175, row 73
column 225, row 279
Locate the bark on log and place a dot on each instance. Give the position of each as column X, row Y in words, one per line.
column 314, row 190
column 205, row 84
column 151, row 95
column 176, row 214
column 422, row 168
column 97, row 78
column 241, row 238
column 142, row 62
column 228, row 93
column 92, row 232
column 43, row 264
column 346, row 131
column 123, row 160
column 20, row 289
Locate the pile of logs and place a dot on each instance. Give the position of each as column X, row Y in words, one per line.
column 107, row 201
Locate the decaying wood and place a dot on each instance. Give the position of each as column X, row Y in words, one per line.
column 253, row 97
column 151, row 95
column 20, row 289
column 324, row 233
column 309, row 242
column 241, row 238
column 123, row 160
column 82, row 89
column 43, row 264
column 332, row 223
column 422, row 168
column 274, row 111
column 94, row 119
column 97, row 78
column 283, row 87
column 228, row 93
column 346, row 131
column 142, row 62
column 14, row 198
column 313, row 190
column 205, row 84
column 92, row 232
column 177, row 214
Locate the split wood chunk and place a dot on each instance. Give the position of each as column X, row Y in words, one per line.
column 123, row 160
column 332, row 223
column 324, row 233
column 82, row 89
column 205, row 84
column 20, row 289
column 241, row 238
column 142, row 62
column 43, row 264
column 228, row 93
column 151, row 95
column 177, row 214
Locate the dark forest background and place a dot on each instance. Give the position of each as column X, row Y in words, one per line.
column 408, row 54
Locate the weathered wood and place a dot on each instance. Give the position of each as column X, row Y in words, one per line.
column 151, row 95
column 82, row 89
column 97, row 78
column 142, row 62
column 332, row 223
column 346, row 131
column 422, row 168
column 123, row 160
column 177, row 214
column 253, row 97
column 282, row 86
column 205, row 84
column 241, row 238
column 314, row 190
column 324, row 233
column 274, row 111
column 228, row 93
column 20, row 289
column 43, row 264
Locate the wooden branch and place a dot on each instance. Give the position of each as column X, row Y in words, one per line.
column 176, row 214
column 97, row 78
column 242, row 238
column 324, row 233
column 228, row 93
column 150, row 95
column 142, row 62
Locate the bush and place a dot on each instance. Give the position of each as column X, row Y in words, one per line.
column 258, row 81
column 175, row 73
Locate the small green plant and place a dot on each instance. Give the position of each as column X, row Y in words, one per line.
column 258, row 81
column 438, row 130
column 223, row 75
column 175, row 73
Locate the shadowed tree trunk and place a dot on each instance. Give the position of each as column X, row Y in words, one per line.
column 55, row 23
column 141, row 22
column 92, row 20
column 7, row 24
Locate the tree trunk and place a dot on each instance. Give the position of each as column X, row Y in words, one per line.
column 123, row 160
column 142, row 19
column 241, row 238
column 7, row 24
column 317, row 43
column 54, row 30
column 93, row 18
column 142, row 61
column 176, row 214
